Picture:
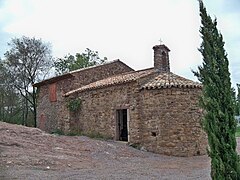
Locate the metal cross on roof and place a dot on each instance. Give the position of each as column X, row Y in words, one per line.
column 160, row 41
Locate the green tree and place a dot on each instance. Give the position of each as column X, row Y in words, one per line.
column 27, row 62
column 10, row 101
column 218, row 121
column 235, row 102
column 238, row 100
column 80, row 60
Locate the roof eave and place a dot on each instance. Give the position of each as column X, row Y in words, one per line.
column 52, row 80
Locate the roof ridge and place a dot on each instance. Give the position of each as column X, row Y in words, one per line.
column 131, row 72
column 113, row 80
column 98, row 65
column 168, row 80
column 70, row 74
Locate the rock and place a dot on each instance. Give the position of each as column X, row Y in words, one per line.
column 143, row 149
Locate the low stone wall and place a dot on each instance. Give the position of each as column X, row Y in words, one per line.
column 171, row 122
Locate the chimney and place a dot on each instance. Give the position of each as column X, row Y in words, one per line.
column 161, row 58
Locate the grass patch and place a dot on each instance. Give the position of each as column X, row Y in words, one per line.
column 238, row 132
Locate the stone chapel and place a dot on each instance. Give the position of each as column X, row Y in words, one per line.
column 153, row 107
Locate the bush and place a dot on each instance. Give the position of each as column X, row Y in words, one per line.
column 238, row 132
column 74, row 104
column 58, row 132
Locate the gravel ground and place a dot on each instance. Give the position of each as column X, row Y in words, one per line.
column 29, row 153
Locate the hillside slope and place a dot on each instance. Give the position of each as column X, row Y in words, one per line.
column 29, row 153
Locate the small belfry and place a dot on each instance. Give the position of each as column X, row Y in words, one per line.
column 161, row 58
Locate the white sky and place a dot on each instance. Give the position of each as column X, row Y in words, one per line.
column 123, row 29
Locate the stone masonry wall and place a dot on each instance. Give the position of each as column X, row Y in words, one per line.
column 171, row 122
column 52, row 115
column 98, row 110
column 55, row 115
column 90, row 75
column 165, row 121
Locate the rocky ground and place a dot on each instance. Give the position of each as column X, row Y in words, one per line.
column 29, row 153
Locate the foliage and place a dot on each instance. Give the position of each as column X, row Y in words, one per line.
column 58, row 132
column 237, row 109
column 80, row 60
column 74, row 133
column 235, row 102
column 135, row 145
column 238, row 132
column 26, row 62
column 74, row 104
column 218, row 122
column 10, row 102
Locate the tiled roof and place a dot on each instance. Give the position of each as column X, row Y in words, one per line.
column 168, row 80
column 114, row 80
column 163, row 80
column 98, row 65
column 53, row 79
column 70, row 74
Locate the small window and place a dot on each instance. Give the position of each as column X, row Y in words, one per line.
column 53, row 92
column 154, row 134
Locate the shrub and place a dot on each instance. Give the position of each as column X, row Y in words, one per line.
column 238, row 132
column 57, row 131
column 74, row 104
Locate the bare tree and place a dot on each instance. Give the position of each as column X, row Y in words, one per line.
column 27, row 61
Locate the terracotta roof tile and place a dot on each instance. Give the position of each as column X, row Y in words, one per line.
column 70, row 74
column 114, row 80
column 163, row 80
column 168, row 80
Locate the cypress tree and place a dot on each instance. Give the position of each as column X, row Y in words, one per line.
column 238, row 100
column 216, row 100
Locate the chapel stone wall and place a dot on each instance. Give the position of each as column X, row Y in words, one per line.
column 52, row 116
column 171, row 122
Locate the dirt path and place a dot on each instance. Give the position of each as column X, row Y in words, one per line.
column 29, row 153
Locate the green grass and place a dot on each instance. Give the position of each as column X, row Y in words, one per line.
column 238, row 132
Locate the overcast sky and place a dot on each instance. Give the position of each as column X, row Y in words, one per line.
column 123, row 29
